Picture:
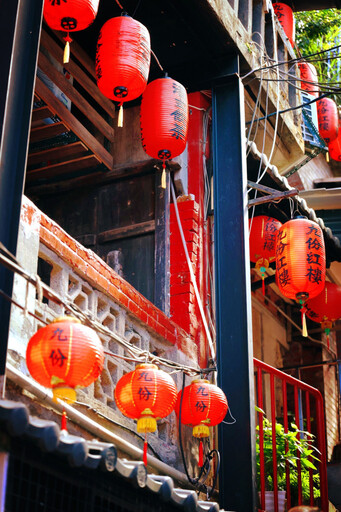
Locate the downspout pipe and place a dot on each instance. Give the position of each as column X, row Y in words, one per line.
column 88, row 424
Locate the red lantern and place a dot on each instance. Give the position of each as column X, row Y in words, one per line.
column 65, row 355
column 263, row 235
column 122, row 60
column 328, row 119
column 203, row 405
column 309, row 79
column 334, row 148
column 70, row 16
column 164, row 119
column 300, row 261
column 325, row 308
column 146, row 394
column 285, row 16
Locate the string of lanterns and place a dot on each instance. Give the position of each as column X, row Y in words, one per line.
column 327, row 112
column 122, row 67
column 67, row 355
column 300, row 261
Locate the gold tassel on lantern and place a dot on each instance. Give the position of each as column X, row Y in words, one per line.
column 120, row 116
column 163, row 176
column 66, row 56
column 304, row 322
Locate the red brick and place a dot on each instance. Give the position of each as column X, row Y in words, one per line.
column 180, row 278
column 48, row 238
column 186, row 224
column 181, row 288
column 180, row 266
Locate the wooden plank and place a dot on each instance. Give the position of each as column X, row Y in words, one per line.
column 69, row 119
column 41, row 113
column 80, row 55
column 57, row 52
column 48, row 131
column 60, row 153
column 80, row 102
column 50, row 171
column 329, row 182
column 126, row 231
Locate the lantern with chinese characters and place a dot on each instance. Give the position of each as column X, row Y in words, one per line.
column 146, row 394
column 334, row 147
column 309, row 79
column 285, row 16
column 203, row 405
column 122, row 60
column 263, row 234
column 164, row 120
column 65, row 355
column 325, row 308
column 69, row 16
column 300, row 261
column 328, row 119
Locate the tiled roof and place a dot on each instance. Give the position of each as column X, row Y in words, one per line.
column 94, row 455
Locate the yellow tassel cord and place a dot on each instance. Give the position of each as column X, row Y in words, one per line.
column 163, row 176
column 120, row 117
column 146, row 424
column 66, row 56
column 327, row 157
column 201, row 431
column 64, row 393
column 304, row 322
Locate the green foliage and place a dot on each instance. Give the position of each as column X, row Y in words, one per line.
column 317, row 31
column 291, row 447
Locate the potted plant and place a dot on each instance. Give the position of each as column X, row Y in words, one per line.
column 291, row 447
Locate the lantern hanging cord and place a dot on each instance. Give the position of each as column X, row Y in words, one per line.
column 120, row 6
column 196, row 291
column 10, row 262
column 157, row 60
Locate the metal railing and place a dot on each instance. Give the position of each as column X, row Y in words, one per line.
column 286, row 397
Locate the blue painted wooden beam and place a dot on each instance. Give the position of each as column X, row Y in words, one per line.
column 233, row 295
column 16, row 106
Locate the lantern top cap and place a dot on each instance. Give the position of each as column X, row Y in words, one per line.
column 200, row 380
column 149, row 366
column 299, row 216
column 70, row 319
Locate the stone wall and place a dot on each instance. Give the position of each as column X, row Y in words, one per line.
column 80, row 277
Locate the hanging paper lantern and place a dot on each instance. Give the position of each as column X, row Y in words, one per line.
column 164, row 120
column 300, row 261
column 285, row 16
column 325, row 308
column 334, row 147
column 309, row 78
column 328, row 119
column 65, row 355
column 69, row 16
column 203, row 405
column 263, row 234
column 122, row 60
column 146, row 394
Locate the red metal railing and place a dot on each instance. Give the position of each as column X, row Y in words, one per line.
column 277, row 390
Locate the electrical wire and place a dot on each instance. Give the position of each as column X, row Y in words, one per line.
column 136, row 353
column 290, row 61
